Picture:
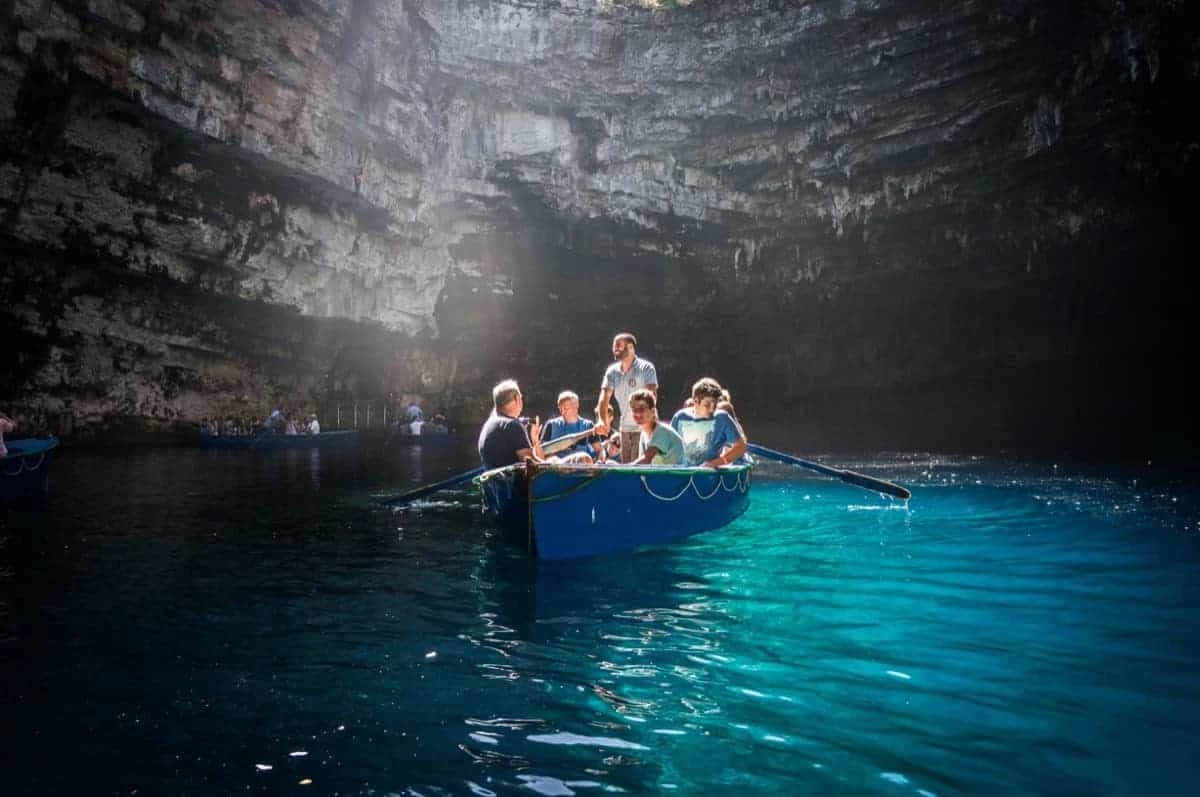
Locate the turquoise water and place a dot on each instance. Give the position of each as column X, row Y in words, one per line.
column 193, row 622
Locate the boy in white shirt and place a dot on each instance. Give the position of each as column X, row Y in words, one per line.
column 659, row 444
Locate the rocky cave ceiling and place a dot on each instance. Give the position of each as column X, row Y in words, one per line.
column 924, row 213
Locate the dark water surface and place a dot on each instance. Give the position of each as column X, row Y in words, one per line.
column 216, row 622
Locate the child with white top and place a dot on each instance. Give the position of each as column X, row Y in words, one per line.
column 659, row 444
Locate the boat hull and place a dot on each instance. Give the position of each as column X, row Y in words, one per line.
column 563, row 512
column 25, row 470
column 271, row 442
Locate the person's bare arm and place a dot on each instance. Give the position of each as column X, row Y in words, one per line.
column 604, row 411
column 647, row 458
column 729, row 454
column 534, row 452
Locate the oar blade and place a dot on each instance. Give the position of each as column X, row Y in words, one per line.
column 879, row 485
column 430, row 489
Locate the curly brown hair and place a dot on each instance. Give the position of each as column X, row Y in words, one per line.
column 707, row 387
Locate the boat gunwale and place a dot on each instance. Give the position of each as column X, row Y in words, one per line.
column 16, row 451
column 534, row 469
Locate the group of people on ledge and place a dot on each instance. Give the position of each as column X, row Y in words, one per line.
column 414, row 423
column 278, row 422
column 705, row 432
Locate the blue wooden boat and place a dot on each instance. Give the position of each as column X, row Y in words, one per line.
column 566, row 511
column 25, row 469
column 271, row 442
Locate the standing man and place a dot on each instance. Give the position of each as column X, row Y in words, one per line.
column 274, row 420
column 503, row 440
column 415, row 417
column 628, row 374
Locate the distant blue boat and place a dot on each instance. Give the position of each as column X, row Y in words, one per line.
column 271, row 442
column 566, row 511
column 25, row 469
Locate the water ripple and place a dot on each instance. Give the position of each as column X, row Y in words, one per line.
column 1015, row 628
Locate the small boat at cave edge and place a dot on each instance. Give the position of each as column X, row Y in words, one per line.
column 272, row 442
column 561, row 511
column 25, row 469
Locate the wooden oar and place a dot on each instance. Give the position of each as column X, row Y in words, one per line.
column 848, row 476
column 559, row 444
column 566, row 441
column 430, row 489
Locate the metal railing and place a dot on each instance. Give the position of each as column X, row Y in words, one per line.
column 364, row 415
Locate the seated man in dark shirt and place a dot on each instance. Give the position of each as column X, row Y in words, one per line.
column 503, row 440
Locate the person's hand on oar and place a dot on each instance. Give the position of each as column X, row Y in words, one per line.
column 560, row 444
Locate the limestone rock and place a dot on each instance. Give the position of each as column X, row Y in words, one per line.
column 882, row 201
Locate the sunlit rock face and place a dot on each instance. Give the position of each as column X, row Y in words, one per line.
column 880, row 223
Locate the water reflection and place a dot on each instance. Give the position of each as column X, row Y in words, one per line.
column 314, row 466
column 414, row 460
column 645, row 627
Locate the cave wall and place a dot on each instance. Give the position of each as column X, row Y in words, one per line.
column 883, row 224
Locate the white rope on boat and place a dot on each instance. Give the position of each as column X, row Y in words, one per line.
column 738, row 484
column 22, row 465
column 505, row 475
column 675, row 497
